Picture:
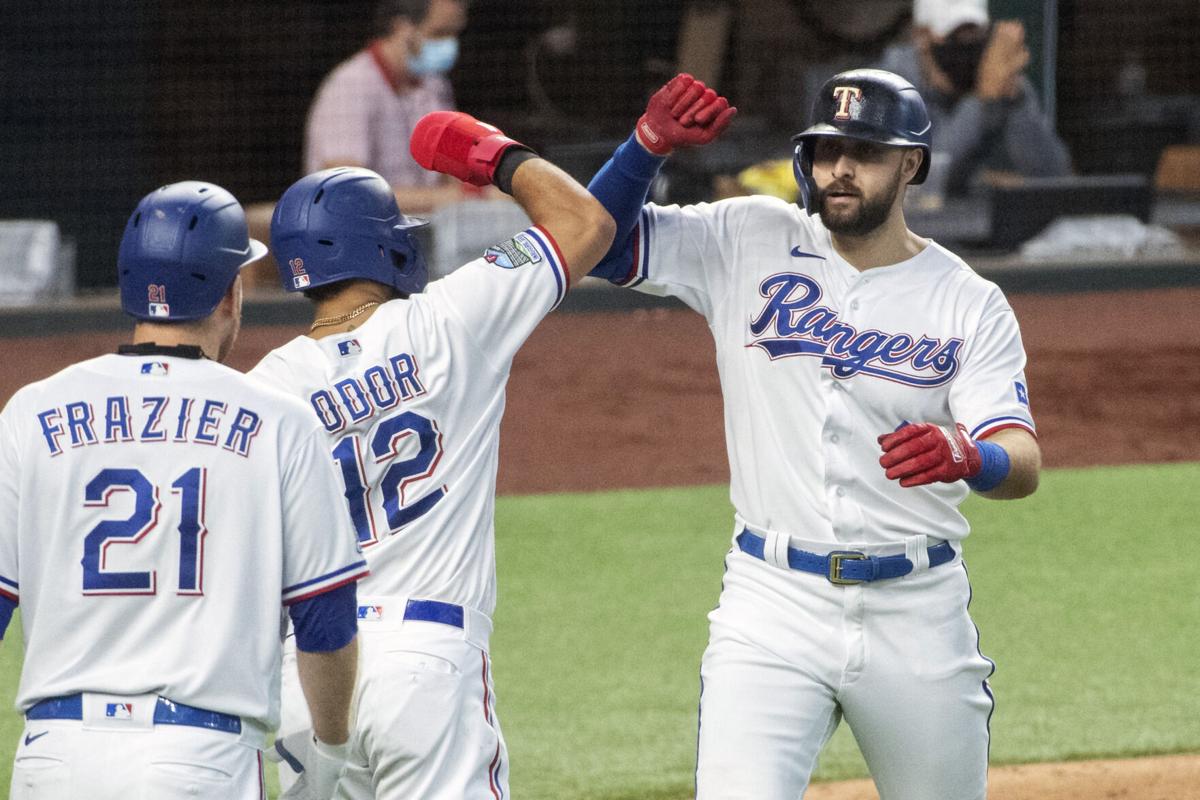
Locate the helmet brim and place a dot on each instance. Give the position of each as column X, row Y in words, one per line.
column 864, row 133
column 257, row 251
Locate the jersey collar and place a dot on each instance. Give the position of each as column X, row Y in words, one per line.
column 152, row 349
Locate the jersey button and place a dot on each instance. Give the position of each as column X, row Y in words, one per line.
column 841, row 491
column 835, row 438
column 854, row 306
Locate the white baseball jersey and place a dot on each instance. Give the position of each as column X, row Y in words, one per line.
column 412, row 402
column 817, row 359
column 157, row 511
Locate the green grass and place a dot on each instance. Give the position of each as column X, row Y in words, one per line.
column 1085, row 595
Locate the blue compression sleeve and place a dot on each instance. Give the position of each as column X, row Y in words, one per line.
column 7, row 606
column 621, row 186
column 328, row 621
column 996, row 466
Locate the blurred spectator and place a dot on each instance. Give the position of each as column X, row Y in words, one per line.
column 365, row 109
column 364, row 112
column 985, row 112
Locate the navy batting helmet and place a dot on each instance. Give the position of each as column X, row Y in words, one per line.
column 344, row 223
column 182, row 248
column 868, row 104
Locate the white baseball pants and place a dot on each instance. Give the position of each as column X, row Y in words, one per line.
column 790, row 654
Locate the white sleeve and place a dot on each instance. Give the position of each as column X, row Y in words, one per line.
column 320, row 550
column 9, row 508
column 991, row 393
column 688, row 252
column 500, row 298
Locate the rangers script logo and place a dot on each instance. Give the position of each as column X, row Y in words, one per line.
column 800, row 327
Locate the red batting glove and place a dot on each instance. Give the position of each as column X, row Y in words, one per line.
column 459, row 145
column 921, row 453
column 683, row 113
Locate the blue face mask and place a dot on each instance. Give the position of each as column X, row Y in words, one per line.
column 436, row 56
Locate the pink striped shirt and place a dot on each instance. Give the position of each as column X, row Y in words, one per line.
column 357, row 116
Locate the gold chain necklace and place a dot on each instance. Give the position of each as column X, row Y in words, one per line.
column 321, row 322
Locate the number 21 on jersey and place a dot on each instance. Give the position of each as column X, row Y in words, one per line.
column 388, row 473
column 188, row 487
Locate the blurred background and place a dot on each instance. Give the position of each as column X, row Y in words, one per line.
column 101, row 102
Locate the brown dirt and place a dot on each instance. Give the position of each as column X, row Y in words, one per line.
column 1157, row 778
column 600, row 401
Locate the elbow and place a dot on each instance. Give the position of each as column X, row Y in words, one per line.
column 601, row 227
column 1026, row 487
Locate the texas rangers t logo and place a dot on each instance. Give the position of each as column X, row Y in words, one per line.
column 845, row 95
column 803, row 328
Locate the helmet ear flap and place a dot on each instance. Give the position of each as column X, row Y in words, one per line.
column 923, row 170
column 802, row 168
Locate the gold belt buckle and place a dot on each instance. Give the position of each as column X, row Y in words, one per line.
column 835, row 566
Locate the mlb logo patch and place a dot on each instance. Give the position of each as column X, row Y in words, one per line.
column 350, row 347
column 370, row 612
column 119, row 710
column 1022, row 394
column 160, row 310
column 158, row 368
column 300, row 281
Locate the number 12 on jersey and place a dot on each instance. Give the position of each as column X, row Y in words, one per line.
column 389, row 436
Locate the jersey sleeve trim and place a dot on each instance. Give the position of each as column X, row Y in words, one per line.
column 639, row 270
column 558, row 264
column 9, row 589
column 988, row 427
column 325, row 583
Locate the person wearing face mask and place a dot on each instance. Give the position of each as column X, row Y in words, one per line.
column 365, row 109
column 984, row 110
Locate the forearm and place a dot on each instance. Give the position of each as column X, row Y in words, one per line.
column 1030, row 141
column 580, row 225
column 1025, row 459
column 964, row 138
column 327, row 679
column 621, row 186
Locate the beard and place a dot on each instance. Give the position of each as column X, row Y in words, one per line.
column 860, row 219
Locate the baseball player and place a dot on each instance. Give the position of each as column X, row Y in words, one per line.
column 409, row 385
column 160, row 507
column 871, row 382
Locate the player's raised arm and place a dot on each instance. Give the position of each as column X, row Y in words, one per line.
column 683, row 113
column 459, row 145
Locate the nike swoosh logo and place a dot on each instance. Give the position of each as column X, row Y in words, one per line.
column 30, row 739
column 798, row 253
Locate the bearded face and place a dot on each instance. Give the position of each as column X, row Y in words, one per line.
column 857, row 183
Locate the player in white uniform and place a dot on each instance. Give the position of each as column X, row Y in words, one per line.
column 159, row 507
column 410, row 388
column 871, row 381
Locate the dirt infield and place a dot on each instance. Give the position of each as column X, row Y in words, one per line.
column 601, row 401
column 1160, row 778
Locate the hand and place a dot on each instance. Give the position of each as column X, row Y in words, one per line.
column 459, row 145
column 1004, row 60
column 683, row 113
column 320, row 764
column 922, row 453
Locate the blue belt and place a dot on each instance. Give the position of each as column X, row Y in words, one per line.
column 165, row 713
column 426, row 611
column 434, row 611
column 846, row 567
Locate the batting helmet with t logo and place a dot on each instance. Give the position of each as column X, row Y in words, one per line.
column 868, row 104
